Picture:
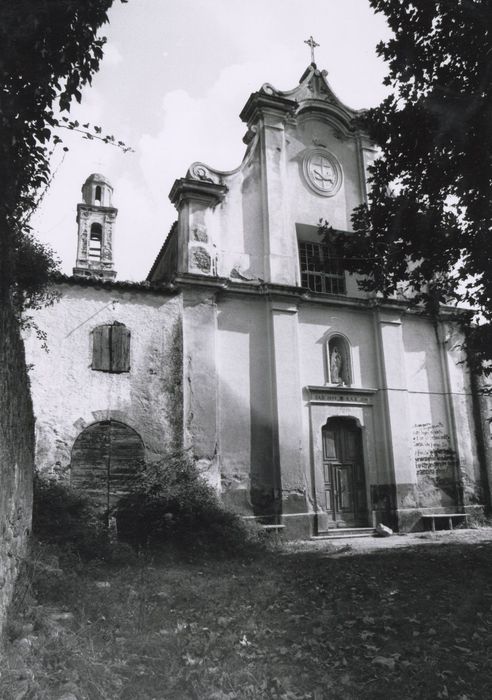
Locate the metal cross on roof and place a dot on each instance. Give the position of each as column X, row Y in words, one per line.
column 312, row 44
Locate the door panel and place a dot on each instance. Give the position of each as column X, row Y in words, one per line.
column 105, row 457
column 343, row 469
column 345, row 495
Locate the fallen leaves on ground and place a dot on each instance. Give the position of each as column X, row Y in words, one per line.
column 288, row 626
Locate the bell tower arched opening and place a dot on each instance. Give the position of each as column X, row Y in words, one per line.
column 95, row 242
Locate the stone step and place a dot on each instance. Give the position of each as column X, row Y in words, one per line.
column 344, row 532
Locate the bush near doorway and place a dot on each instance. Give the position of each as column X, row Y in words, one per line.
column 171, row 505
column 63, row 517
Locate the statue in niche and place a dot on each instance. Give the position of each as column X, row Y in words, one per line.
column 336, row 366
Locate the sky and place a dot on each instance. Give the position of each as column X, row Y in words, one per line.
column 174, row 78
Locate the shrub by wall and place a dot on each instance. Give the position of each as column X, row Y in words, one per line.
column 170, row 504
column 16, row 455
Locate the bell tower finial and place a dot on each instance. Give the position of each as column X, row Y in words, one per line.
column 95, row 218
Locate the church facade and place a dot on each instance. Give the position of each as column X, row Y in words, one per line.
column 309, row 404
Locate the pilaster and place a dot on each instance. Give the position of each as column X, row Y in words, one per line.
column 399, row 478
column 268, row 114
column 200, row 380
column 288, row 416
column 194, row 200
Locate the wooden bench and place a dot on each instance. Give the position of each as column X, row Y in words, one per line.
column 273, row 528
column 440, row 516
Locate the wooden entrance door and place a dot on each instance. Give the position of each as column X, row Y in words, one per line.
column 105, row 457
column 343, row 469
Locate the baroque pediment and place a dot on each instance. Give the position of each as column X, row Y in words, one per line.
column 314, row 93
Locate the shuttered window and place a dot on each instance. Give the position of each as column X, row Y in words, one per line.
column 111, row 348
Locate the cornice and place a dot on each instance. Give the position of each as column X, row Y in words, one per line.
column 261, row 102
column 184, row 189
column 95, row 208
column 226, row 286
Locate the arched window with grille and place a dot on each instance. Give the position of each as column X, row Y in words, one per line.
column 111, row 348
column 338, row 361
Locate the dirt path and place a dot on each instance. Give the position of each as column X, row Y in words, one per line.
column 358, row 545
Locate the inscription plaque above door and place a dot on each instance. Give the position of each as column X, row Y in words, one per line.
column 323, row 394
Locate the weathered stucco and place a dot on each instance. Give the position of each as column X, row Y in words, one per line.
column 68, row 394
column 16, row 456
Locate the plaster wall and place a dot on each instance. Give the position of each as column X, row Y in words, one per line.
column 484, row 420
column 465, row 409
column 317, row 322
column 200, row 385
column 305, row 206
column 395, row 415
column 442, row 423
column 246, row 446
column 240, row 225
column 68, row 394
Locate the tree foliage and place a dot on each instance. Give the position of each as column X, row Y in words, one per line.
column 428, row 219
column 50, row 50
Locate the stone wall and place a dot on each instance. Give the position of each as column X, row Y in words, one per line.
column 16, row 455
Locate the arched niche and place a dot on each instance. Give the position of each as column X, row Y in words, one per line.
column 105, row 459
column 338, row 360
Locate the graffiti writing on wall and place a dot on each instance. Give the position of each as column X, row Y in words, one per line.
column 432, row 448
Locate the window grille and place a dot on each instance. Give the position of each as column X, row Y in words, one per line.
column 320, row 271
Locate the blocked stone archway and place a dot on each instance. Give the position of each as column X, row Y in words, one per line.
column 105, row 458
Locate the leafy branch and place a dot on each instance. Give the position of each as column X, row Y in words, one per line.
column 428, row 220
column 91, row 132
column 45, row 61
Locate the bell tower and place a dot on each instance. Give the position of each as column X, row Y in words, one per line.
column 95, row 218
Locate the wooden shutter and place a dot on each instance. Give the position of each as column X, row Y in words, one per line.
column 120, row 348
column 101, row 359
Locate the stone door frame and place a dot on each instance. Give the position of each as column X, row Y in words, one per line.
column 339, row 402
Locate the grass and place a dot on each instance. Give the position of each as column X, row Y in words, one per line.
column 403, row 623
